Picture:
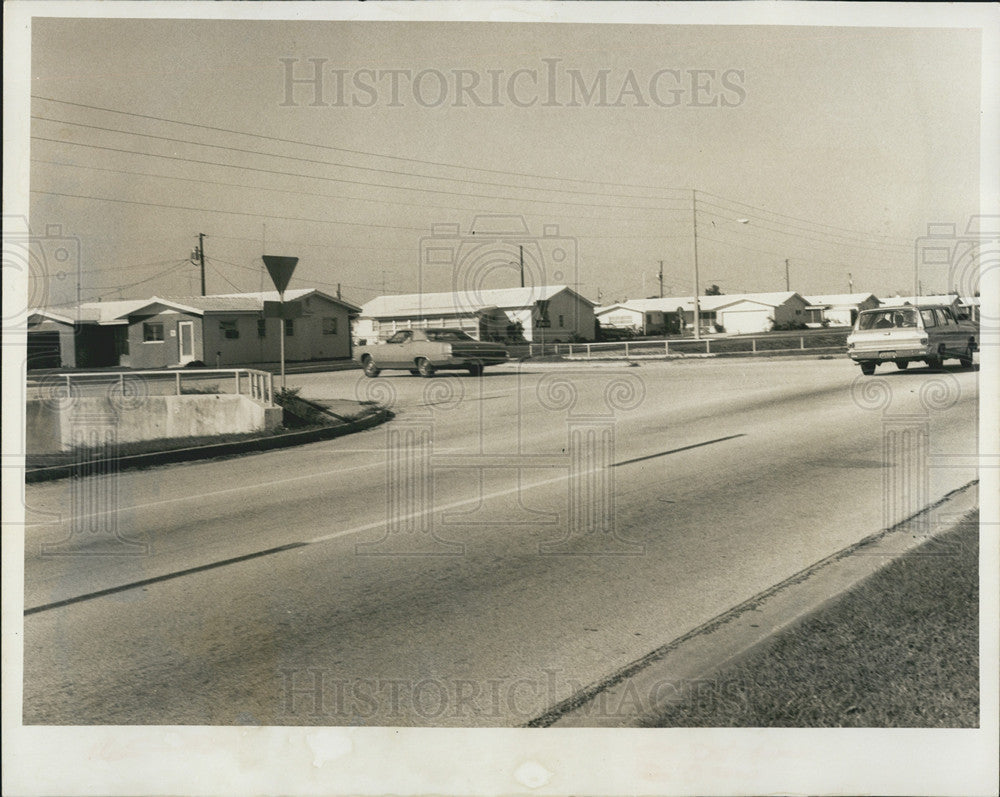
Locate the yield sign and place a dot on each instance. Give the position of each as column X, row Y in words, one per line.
column 280, row 269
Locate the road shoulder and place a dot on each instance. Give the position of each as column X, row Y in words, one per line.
column 640, row 692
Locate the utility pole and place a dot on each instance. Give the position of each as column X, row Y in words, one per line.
column 660, row 277
column 521, row 251
column 850, row 283
column 201, row 258
column 788, row 282
column 697, row 309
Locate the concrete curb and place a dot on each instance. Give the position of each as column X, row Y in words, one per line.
column 650, row 684
column 213, row 450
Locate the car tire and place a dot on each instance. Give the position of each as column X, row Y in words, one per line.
column 901, row 364
column 476, row 369
column 371, row 370
column 868, row 368
column 424, row 368
column 934, row 363
column 966, row 358
column 415, row 372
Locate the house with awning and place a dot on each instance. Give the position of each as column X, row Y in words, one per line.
column 547, row 313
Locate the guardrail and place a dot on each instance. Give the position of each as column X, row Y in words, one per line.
column 250, row 382
column 721, row 345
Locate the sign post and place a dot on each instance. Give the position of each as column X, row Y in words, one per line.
column 280, row 268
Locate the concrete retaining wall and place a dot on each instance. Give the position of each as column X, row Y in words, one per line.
column 94, row 421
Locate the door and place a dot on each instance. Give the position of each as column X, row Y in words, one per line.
column 185, row 341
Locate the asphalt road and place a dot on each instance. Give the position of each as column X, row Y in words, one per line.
column 500, row 544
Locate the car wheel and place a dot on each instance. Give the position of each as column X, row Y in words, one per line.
column 867, row 368
column 415, row 372
column 475, row 370
column 371, row 370
column 901, row 364
column 424, row 368
column 934, row 363
column 966, row 358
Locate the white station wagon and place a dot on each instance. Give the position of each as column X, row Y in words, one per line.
column 901, row 335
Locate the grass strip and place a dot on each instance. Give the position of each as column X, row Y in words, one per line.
column 899, row 650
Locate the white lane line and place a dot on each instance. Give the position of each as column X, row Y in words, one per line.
column 241, row 488
column 456, row 504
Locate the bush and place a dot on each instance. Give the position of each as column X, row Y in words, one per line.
column 788, row 326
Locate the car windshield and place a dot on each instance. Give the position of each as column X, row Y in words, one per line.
column 400, row 337
column 446, row 335
column 888, row 319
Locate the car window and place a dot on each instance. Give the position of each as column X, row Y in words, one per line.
column 929, row 318
column 888, row 319
column 400, row 337
column 447, row 335
column 949, row 317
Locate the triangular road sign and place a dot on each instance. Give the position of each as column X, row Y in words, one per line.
column 280, row 268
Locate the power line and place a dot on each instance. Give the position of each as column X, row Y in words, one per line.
column 227, row 212
column 322, row 195
column 354, row 151
column 798, row 218
column 119, row 288
column 784, row 254
column 224, row 277
column 316, row 161
column 344, row 179
column 888, row 248
column 316, row 145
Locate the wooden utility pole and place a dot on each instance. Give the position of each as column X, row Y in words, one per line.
column 521, row 252
column 201, row 259
column 660, row 277
column 697, row 309
column 788, row 281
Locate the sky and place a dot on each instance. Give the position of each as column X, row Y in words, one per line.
column 830, row 147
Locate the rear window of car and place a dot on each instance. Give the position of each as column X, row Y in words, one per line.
column 888, row 319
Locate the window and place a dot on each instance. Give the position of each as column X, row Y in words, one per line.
column 560, row 321
column 261, row 327
column 446, row 335
column 152, row 332
column 929, row 319
column 289, row 327
column 229, row 329
column 329, row 326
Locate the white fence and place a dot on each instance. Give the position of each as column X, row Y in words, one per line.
column 660, row 348
column 257, row 385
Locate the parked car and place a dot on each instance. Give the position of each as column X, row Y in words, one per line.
column 424, row 351
column 901, row 335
